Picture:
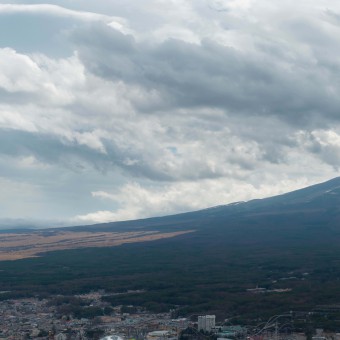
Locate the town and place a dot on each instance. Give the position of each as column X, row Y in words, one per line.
column 58, row 318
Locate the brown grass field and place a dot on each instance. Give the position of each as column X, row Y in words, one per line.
column 19, row 246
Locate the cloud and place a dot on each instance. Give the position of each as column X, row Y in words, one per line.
column 324, row 144
column 21, row 27
column 101, row 216
column 164, row 107
column 136, row 201
column 54, row 10
column 39, row 79
column 65, row 112
column 210, row 75
column 227, row 5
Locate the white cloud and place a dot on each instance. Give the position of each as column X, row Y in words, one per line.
column 14, row 120
column 18, row 71
column 103, row 216
column 140, row 202
column 55, row 10
column 323, row 144
column 52, row 82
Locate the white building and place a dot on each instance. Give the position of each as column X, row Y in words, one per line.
column 206, row 322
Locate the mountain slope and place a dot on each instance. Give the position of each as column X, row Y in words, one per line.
column 317, row 205
column 289, row 241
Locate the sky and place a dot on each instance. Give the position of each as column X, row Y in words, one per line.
column 115, row 110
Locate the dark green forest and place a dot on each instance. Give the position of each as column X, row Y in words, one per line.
column 203, row 278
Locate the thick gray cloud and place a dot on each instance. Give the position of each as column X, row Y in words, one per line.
column 122, row 110
column 210, row 75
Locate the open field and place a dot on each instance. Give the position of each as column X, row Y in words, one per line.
column 20, row 246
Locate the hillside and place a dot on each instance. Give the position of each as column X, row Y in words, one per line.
column 287, row 242
column 302, row 213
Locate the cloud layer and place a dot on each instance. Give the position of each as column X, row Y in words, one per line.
column 125, row 111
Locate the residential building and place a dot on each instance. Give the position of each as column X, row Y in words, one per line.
column 206, row 322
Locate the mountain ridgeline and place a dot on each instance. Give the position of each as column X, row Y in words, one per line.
column 287, row 244
column 311, row 214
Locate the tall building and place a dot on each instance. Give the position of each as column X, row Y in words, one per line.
column 206, row 322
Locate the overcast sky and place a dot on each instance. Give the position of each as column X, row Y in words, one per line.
column 114, row 110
